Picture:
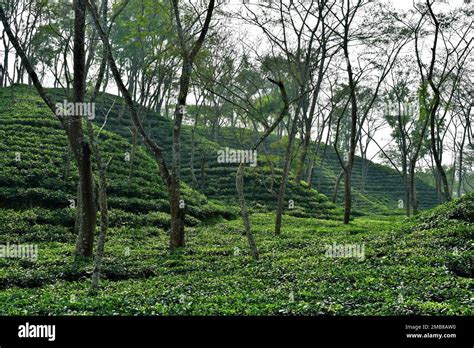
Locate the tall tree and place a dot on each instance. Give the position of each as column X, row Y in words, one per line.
column 459, row 50
column 72, row 126
column 172, row 176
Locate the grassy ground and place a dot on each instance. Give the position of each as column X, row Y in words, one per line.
column 406, row 270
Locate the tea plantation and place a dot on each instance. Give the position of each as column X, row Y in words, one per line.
column 379, row 193
column 413, row 266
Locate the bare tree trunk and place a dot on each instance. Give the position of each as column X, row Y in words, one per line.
column 347, row 193
column 460, row 169
column 309, row 177
column 5, row 61
column 177, row 212
column 240, row 172
column 306, row 142
column 453, row 176
column 104, row 213
column 413, row 198
column 284, row 176
column 193, row 151
column 407, row 195
column 433, row 108
column 4, row 67
column 188, row 56
column 133, row 152
column 406, row 185
column 203, row 173
column 446, row 193
column 336, row 186
column 239, row 183
column 88, row 209
column 104, row 224
column 353, row 134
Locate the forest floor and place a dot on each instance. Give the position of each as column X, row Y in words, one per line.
column 403, row 271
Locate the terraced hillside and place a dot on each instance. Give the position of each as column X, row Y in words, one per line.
column 379, row 193
column 218, row 179
column 37, row 180
column 34, row 178
column 382, row 189
column 382, row 184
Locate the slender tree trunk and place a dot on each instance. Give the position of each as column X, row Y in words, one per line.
column 305, row 144
column 193, row 151
column 347, row 193
column 178, row 214
column 413, row 197
column 5, row 61
column 285, row 174
column 444, row 185
column 336, row 186
column 104, row 214
column 453, row 176
column 406, row 185
column 243, row 208
column 203, row 173
column 188, row 56
column 353, row 132
column 309, row 177
column 133, row 152
column 460, row 170
column 240, row 171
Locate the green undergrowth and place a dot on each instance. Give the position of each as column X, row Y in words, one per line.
column 402, row 273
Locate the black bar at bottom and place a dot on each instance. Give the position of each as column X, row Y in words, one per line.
column 291, row 331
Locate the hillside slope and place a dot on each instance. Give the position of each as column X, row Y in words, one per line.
column 217, row 180
column 33, row 172
column 379, row 194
